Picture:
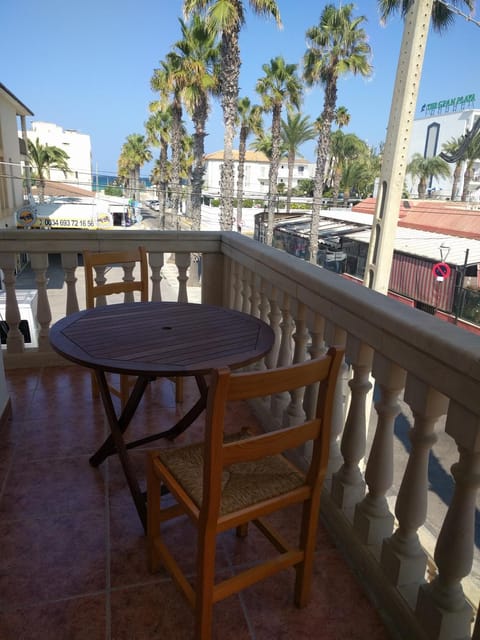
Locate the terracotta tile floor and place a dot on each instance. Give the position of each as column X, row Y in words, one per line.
column 72, row 552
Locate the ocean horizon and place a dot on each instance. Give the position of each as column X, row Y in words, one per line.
column 100, row 181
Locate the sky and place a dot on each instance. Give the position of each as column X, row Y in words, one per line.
column 87, row 66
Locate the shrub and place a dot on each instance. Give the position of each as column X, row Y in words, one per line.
column 111, row 190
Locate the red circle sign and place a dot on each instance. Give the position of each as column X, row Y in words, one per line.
column 441, row 270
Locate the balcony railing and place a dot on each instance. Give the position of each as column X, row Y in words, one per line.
column 415, row 552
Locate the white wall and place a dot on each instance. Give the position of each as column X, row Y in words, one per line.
column 451, row 125
column 256, row 175
column 76, row 145
column 10, row 152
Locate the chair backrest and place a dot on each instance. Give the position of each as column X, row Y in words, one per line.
column 93, row 290
column 226, row 386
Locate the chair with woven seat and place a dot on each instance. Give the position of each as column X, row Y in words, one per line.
column 226, row 483
column 97, row 290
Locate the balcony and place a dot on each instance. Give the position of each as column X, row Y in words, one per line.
column 404, row 527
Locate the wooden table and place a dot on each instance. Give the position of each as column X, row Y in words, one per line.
column 156, row 339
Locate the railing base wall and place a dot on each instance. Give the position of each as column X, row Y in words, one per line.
column 394, row 610
column 33, row 358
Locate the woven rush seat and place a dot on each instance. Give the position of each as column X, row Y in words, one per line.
column 243, row 484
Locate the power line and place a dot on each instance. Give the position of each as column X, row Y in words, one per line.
column 456, row 10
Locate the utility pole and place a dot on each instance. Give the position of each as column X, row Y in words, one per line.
column 392, row 176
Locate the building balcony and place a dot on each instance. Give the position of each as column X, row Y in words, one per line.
column 397, row 548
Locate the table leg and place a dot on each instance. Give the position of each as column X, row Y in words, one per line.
column 108, row 447
column 116, row 437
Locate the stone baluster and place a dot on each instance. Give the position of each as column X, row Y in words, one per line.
column 100, row 301
column 317, row 348
column 237, row 286
column 280, row 401
column 275, row 316
column 228, row 272
column 216, row 279
column 15, row 342
column 373, row 519
column 337, row 336
column 255, row 297
column 263, row 308
column 128, row 268
column 182, row 260
column 70, row 264
column 295, row 413
column 39, row 262
column 348, row 485
column 403, row 558
column 156, row 261
column 441, row 605
column 246, row 290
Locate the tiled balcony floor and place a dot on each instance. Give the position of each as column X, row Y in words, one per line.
column 72, row 551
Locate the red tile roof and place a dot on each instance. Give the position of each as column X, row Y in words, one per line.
column 451, row 218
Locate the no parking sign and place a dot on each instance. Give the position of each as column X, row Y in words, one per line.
column 441, row 270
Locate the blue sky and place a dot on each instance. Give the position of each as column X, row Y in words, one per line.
column 89, row 68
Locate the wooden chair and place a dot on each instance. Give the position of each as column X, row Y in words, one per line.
column 226, row 483
column 97, row 291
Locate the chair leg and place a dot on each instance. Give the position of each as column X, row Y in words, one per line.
column 95, row 389
column 153, row 516
column 242, row 530
column 179, row 389
column 205, row 585
column 308, row 539
column 124, row 390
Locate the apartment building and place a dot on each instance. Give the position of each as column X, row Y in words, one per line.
column 257, row 166
column 13, row 114
column 76, row 145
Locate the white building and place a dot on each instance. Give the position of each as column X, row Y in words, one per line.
column 257, row 166
column 76, row 145
column 13, row 114
column 440, row 122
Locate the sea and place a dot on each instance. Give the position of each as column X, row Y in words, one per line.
column 102, row 180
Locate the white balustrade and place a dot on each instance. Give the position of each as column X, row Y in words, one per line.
column 348, row 485
column 310, row 309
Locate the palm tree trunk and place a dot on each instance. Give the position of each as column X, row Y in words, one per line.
column 456, row 179
column 291, row 165
column 467, row 178
column 323, row 153
column 273, row 173
column 176, row 153
column 230, row 52
column 242, row 150
column 199, row 118
column 163, row 182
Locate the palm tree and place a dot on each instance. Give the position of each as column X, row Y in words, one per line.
column 158, row 128
column 342, row 117
column 423, row 169
column 296, row 130
column 227, row 18
column 450, row 147
column 471, row 155
column 344, row 148
column 336, row 46
column 250, row 120
column 278, row 87
column 360, row 174
column 43, row 158
column 263, row 144
column 134, row 154
column 442, row 15
column 164, row 81
column 195, row 69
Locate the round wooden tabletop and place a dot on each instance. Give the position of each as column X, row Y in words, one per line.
column 161, row 338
